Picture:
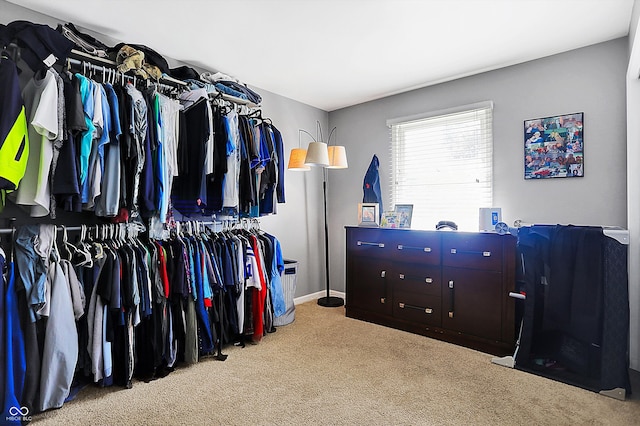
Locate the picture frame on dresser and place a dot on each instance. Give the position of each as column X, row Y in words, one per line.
column 369, row 215
column 405, row 211
column 389, row 220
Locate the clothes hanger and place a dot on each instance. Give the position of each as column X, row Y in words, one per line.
column 55, row 254
column 69, row 248
column 85, row 258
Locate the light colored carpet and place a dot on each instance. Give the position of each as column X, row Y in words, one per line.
column 327, row 369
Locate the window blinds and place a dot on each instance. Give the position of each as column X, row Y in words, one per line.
column 442, row 163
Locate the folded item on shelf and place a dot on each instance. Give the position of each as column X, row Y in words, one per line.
column 215, row 77
column 84, row 42
column 150, row 56
column 130, row 59
column 184, row 73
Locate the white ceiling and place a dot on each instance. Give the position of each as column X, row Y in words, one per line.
column 336, row 53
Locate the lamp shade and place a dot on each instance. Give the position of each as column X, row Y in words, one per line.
column 317, row 154
column 296, row 160
column 337, row 157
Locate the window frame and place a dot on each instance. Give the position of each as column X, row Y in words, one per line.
column 443, row 113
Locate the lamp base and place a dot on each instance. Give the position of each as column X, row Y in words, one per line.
column 331, row 302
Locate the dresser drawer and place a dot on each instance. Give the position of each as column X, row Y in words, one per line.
column 416, row 279
column 473, row 251
column 415, row 246
column 417, row 308
column 370, row 242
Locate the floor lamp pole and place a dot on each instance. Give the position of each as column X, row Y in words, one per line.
column 327, row 301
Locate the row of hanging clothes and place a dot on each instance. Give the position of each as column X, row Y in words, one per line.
column 115, row 305
column 89, row 138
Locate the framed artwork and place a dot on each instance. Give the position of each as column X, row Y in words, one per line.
column 389, row 220
column 368, row 214
column 554, row 147
column 405, row 211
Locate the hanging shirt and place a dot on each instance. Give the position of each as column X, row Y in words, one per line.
column 160, row 164
column 108, row 202
column 102, row 120
column 247, row 182
column 41, row 105
column 14, row 138
column 138, row 129
column 57, row 143
column 277, row 268
column 169, row 110
column 187, row 194
column 279, row 150
column 268, row 178
column 86, row 139
column 230, row 190
column 60, row 352
column 66, row 181
column 14, row 349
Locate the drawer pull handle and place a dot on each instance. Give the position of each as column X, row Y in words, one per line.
column 419, row 308
column 424, row 249
column 383, row 300
column 451, row 298
column 428, row 280
column 401, row 276
column 483, row 253
column 365, row 243
column 383, row 274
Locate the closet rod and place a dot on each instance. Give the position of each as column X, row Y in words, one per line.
column 98, row 68
column 59, row 228
column 101, row 68
column 78, row 228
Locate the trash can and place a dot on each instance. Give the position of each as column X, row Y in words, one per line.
column 289, row 290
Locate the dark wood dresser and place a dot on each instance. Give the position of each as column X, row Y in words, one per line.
column 449, row 285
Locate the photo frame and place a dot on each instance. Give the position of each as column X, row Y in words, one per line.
column 405, row 212
column 368, row 214
column 389, row 220
column 554, row 147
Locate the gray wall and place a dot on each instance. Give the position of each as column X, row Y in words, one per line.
column 589, row 80
column 298, row 222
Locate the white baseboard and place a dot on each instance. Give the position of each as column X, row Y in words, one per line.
column 316, row 296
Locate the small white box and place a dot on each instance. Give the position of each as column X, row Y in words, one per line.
column 489, row 216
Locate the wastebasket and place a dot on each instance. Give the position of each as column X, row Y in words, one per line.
column 289, row 290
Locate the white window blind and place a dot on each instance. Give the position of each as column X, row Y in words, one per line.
column 442, row 163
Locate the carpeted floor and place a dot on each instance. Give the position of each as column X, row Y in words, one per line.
column 326, row 369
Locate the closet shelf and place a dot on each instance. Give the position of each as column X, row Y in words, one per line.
column 108, row 62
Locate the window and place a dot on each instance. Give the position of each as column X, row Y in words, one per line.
column 442, row 163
